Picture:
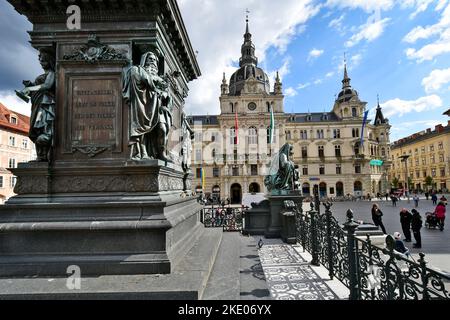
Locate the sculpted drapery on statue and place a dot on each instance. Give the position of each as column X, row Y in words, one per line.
column 283, row 174
column 186, row 148
column 42, row 94
column 150, row 109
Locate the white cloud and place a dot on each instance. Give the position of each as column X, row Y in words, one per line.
column 318, row 81
column 330, row 74
column 438, row 46
column 441, row 5
column 400, row 107
column 368, row 31
column 271, row 25
column 337, row 24
column 366, row 5
column 356, row 59
column 314, row 53
column 436, row 80
column 284, row 70
column 302, row 86
column 14, row 103
column 290, row 92
column 419, row 5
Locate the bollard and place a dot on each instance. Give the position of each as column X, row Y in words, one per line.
column 350, row 226
column 314, row 238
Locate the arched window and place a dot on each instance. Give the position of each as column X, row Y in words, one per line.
column 232, row 107
column 356, row 148
column 252, row 135
column 268, row 106
column 354, row 112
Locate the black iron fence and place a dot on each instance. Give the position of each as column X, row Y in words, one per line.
column 370, row 272
column 230, row 219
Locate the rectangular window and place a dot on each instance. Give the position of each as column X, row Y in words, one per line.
column 417, row 174
column 304, row 134
column 442, row 172
column 433, row 172
column 13, row 120
column 12, row 141
column 336, row 133
column 424, row 161
column 337, row 151
column 1, row 181
column 320, row 134
column 338, row 169
column 417, row 161
column 198, row 173
column 25, row 143
column 431, row 147
column 304, row 152
column 322, row 170
column 235, row 170
column 216, row 172
column 305, row 170
column 422, row 150
column 12, row 163
column 441, row 158
column 433, row 160
column 13, row 182
column 424, row 173
column 321, row 152
column 331, row 190
column 440, row 146
column 254, row 169
column 358, row 168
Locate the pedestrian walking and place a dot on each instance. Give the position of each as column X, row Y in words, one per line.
column 387, row 196
column 405, row 221
column 394, row 200
column 416, row 200
column 427, row 195
column 434, row 198
column 440, row 214
column 416, row 225
column 376, row 217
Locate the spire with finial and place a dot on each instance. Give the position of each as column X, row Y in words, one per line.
column 346, row 80
column 224, row 85
column 379, row 117
column 248, row 48
column 278, row 86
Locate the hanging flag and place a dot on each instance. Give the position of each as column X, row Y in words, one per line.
column 202, row 174
column 272, row 126
column 236, row 127
column 361, row 143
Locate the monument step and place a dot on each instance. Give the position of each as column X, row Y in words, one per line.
column 187, row 281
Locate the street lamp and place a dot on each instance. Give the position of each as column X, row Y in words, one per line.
column 405, row 159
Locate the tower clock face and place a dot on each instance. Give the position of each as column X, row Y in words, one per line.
column 251, row 106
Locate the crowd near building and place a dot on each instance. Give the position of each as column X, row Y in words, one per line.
column 421, row 162
column 232, row 150
column 15, row 147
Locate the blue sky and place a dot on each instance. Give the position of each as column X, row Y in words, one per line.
column 397, row 49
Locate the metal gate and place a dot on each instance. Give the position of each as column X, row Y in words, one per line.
column 230, row 219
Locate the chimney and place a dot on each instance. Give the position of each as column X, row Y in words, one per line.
column 428, row 130
column 439, row 128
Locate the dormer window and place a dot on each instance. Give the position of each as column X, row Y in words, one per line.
column 308, row 118
column 325, row 117
column 13, row 120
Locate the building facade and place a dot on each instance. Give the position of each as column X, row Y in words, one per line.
column 233, row 150
column 15, row 147
column 421, row 155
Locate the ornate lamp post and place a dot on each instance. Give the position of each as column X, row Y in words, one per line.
column 405, row 160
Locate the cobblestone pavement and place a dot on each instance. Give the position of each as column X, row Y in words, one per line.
column 289, row 275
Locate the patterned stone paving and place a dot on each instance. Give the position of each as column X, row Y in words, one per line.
column 290, row 277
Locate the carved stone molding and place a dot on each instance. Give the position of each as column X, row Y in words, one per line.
column 94, row 51
column 90, row 150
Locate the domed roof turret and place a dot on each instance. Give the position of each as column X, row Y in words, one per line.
column 347, row 93
column 248, row 64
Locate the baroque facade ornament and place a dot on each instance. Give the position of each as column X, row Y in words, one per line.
column 94, row 51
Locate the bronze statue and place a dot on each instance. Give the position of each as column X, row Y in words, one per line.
column 150, row 109
column 186, row 147
column 283, row 174
column 42, row 94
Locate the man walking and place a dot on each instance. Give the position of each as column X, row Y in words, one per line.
column 405, row 221
column 416, row 225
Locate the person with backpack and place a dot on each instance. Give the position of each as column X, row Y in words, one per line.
column 405, row 221
column 416, row 225
column 376, row 217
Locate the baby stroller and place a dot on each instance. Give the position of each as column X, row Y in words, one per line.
column 431, row 220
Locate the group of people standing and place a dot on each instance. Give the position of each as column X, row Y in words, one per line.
column 409, row 220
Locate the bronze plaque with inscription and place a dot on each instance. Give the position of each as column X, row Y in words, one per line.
column 93, row 115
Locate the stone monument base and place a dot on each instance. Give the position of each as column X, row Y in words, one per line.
column 116, row 228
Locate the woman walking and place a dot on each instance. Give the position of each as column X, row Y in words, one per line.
column 376, row 217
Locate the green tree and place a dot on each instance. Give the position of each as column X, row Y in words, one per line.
column 395, row 182
column 429, row 182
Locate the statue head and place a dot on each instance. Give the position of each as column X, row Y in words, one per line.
column 287, row 150
column 150, row 62
column 47, row 59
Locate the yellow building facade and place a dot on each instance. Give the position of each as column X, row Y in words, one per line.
column 427, row 154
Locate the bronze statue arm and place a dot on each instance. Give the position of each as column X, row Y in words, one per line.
column 47, row 85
